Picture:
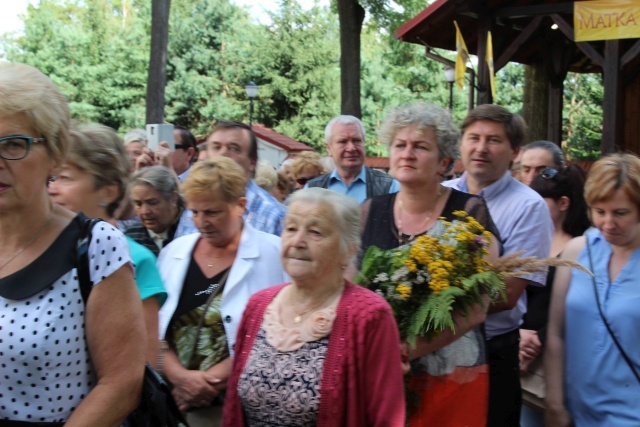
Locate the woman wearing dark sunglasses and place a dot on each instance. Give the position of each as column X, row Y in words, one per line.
column 63, row 361
column 306, row 167
column 562, row 190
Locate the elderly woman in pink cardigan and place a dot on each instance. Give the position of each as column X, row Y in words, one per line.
column 319, row 351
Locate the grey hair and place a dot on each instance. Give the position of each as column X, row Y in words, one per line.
column 345, row 209
column 160, row 179
column 423, row 116
column 266, row 176
column 343, row 120
column 556, row 152
column 135, row 135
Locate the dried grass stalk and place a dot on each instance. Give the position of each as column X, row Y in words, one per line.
column 512, row 265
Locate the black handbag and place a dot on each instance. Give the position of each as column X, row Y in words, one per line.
column 157, row 407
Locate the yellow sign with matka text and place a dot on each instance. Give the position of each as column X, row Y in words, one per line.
column 606, row 20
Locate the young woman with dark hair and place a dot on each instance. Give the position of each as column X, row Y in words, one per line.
column 562, row 189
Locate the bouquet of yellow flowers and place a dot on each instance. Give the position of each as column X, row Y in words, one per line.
column 426, row 280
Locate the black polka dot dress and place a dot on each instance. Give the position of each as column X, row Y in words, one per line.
column 45, row 368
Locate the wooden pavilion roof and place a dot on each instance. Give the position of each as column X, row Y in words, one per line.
column 522, row 32
column 521, row 29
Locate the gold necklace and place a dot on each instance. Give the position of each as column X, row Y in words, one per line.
column 38, row 234
column 298, row 318
column 211, row 264
column 215, row 257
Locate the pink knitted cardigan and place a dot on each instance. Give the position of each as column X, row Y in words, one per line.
column 362, row 383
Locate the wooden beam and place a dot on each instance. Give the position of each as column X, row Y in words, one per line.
column 507, row 54
column 443, row 60
column 611, row 110
column 630, row 55
column 585, row 47
column 533, row 10
column 484, row 86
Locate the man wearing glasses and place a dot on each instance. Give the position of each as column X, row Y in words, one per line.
column 344, row 137
column 491, row 140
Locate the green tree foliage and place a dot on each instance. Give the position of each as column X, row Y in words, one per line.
column 582, row 116
column 299, row 72
column 97, row 51
column 211, row 44
column 395, row 73
column 510, row 87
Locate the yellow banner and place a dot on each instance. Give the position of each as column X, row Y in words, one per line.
column 606, row 20
column 461, row 58
column 489, row 59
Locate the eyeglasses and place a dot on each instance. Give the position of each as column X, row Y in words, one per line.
column 181, row 147
column 17, row 147
column 303, row 181
column 549, row 173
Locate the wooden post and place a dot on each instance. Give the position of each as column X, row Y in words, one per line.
column 351, row 16
column 554, row 120
column 611, row 110
column 484, row 85
column 535, row 105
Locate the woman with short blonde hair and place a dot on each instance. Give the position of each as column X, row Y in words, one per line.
column 306, row 167
column 209, row 277
column 592, row 360
column 65, row 359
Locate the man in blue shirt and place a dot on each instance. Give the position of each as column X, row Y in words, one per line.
column 491, row 140
column 237, row 141
column 344, row 137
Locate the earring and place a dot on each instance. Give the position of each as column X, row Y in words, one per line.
column 102, row 204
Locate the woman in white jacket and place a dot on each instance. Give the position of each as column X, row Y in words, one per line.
column 209, row 278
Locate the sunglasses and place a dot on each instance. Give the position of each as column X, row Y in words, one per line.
column 303, row 181
column 549, row 173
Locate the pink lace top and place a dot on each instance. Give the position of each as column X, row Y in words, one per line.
column 280, row 384
column 317, row 325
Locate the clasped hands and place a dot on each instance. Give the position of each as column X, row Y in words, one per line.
column 195, row 389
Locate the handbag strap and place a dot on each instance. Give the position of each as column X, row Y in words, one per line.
column 604, row 319
column 82, row 256
column 213, row 294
